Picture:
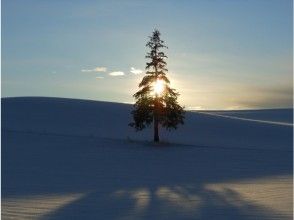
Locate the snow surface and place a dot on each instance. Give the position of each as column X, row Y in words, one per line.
column 275, row 115
column 269, row 116
column 78, row 159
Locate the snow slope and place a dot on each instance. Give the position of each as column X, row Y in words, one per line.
column 268, row 116
column 274, row 115
column 78, row 159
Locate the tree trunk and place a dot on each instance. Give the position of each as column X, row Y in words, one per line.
column 155, row 120
column 156, row 135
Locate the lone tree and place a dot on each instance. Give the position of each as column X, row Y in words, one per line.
column 156, row 101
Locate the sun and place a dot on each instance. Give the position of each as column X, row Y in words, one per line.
column 159, row 87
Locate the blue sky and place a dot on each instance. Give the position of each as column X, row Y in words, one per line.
column 223, row 54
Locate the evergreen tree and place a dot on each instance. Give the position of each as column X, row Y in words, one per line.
column 156, row 101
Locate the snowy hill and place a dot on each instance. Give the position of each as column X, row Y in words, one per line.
column 110, row 120
column 67, row 158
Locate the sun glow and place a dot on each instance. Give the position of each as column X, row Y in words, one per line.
column 159, row 87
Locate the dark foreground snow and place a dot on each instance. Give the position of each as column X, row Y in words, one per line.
column 75, row 159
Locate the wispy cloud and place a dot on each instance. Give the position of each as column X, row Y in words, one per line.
column 99, row 77
column 97, row 69
column 129, row 103
column 136, row 71
column 194, row 108
column 117, row 73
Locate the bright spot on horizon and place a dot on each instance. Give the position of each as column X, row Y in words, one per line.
column 159, row 87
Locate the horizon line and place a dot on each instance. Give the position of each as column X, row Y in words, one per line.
column 186, row 108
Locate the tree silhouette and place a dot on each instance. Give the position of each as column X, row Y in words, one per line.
column 156, row 101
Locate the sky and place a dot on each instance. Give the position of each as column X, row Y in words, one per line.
column 222, row 54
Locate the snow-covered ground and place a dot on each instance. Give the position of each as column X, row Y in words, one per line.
column 77, row 159
column 269, row 116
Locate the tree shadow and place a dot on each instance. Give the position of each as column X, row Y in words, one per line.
column 164, row 203
column 132, row 181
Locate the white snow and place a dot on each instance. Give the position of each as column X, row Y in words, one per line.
column 253, row 120
column 78, row 159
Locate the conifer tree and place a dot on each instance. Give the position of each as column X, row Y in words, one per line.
column 156, row 101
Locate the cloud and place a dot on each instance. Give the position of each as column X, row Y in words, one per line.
column 136, row 71
column 117, row 73
column 99, row 77
column 97, row 69
column 194, row 108
column 129, row 103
